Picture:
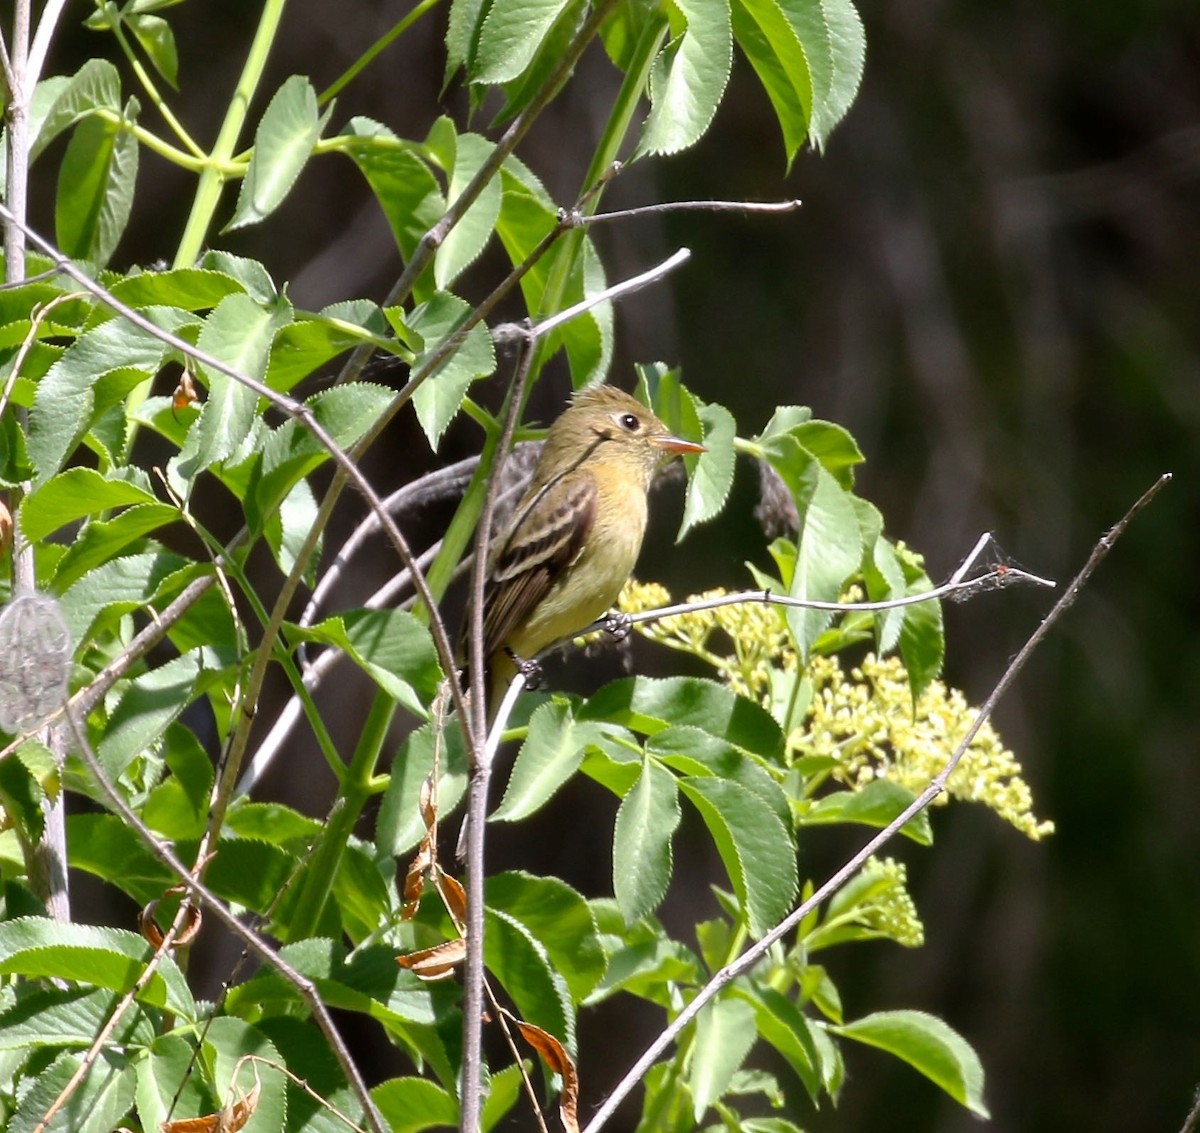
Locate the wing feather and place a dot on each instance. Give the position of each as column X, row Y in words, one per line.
column 547, row 535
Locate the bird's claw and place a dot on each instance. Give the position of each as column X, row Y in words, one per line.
column 617, row 625
column 530, row 670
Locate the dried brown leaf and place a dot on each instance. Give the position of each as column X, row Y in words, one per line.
column 414, row 879
column 429, row 802
column 554, row 1055
column 455, row 898
column 435, row 963
column 231, row 1119
column 148, row 927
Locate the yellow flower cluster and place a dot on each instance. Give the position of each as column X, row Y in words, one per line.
column 868, row 724
column 757, row 638
column 865, row 721
column 891, row 911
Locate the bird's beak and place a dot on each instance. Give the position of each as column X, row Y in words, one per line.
column 676, row 445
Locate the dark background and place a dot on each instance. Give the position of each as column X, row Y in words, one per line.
column 993, row 283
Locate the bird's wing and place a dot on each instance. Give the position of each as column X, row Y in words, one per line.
column 547, row 536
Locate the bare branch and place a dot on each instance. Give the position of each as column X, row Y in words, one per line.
column 770, row 207
column 756, row 951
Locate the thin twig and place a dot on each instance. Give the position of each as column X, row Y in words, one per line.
column 1192, row 1123
column 692, row 206
column 756, row 951
column 481, row 767
column 625, row 287
column 252, row 940
column 41, row 40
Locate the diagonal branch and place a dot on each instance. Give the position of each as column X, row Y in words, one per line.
column 756, row 951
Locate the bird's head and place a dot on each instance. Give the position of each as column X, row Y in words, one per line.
column 616, row 430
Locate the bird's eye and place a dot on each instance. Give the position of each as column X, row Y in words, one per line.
column 629, row 422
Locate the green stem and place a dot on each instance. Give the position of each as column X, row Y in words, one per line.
column 380, row 45
column 212, row 177
column 358, row 785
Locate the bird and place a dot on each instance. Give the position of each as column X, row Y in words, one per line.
column 574, row 537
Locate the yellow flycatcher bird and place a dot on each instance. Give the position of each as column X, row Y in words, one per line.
column 575, row 535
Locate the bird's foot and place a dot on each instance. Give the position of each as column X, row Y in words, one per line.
column 617, row 625
column 530, row 670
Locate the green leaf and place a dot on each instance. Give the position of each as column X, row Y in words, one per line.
column 168, row 1085
column 689, row 78
column 102, row 540
column 835, row 47
column 559, row 919
column 288, row 528
column 410, row 1105
column 53, row 1017
column 95, row 187
column 115, row 588
column 551, row 754
column 467, row 239
column 400, row 825
column 930, row 1046
column 764, row 32
column 283, row 143
column 158, row 42
column 291, row 452
column 922, row 639
column 833, row 446
column 252, row 277
column 190, row 289
column 226, row 1041
column 646, row 822
column 68, row 397
column 503, row 1090
column 782, row 1024
column 724, row 1035
column 829, row 547
column 875, row 805
column 511, row 33
column 438, row 399
column 755, row 847
column 102, row 1099
column 102, row 845
column 150, row 702
column 178, row 806
column 406, row 189
column 649, row 705
column 712, row 476
column 96, row 84
column 72, row 495
column 239, row 333
column 312, row 340
column 520, row 963
column 43, row 949
column 391, row 646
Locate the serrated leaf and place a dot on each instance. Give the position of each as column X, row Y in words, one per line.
column 400, row 825
column 782, row 1024
column 649, row 705
column 190, row 289
column 68, row 397
column 405, row 187
column 646, row 822
column 113, row 958
column 930, row 1046
column 410, row 1105
column 116, row 587
column 72, row 495
column 53, row 1017
column 835, row 47
column 773, row 48
column 523, row 967
column 724, row 1035
column 689, row 78
column 283, row 143
column 239, row 333
column 102, row 540
column 438, row 399
column 467, row 239
column 226, row 1041
column 158, row 42
column 391, row 646
column 551, row 754
column 167, row 1083
column 922, row 639
column 510, row 36
column 875, row 804
column 96, row 84
column 560, row 920
column 829, row 546
column 755, row 847
column 712, row 475
column 95, row 187
column 99, row 1103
